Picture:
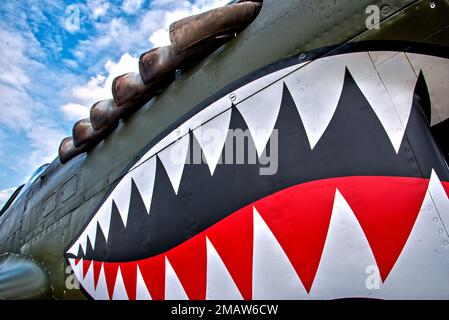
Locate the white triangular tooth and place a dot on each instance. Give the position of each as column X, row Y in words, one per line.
column 83, row 241
column 122, row 196
column 101, row 291
column 74, row 249
column 88, row 281
column 440, row 198
column 142, row 292
column 261, row 112
column 104, row 217
column 72, row 264
column 346, row 258
column 119, row 288
column 220, row 285
column 211, row 137
column 421, row 271
column 173, row 287
column 365, row 75
column 399, row 80
column 144, row 176
column 91, row 231
column 78, row 269
column 173, row 159
column 436, row 73
column 273, row 274
column 316, row 90
column 253, row 87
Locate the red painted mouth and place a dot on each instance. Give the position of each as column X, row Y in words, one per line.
column 298, row 217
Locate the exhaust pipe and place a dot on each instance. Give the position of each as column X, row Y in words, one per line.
column 68, row 151
column 84, row 134
column 103, row 113
column 192, row 30
column 162, row 63
column 85, row 137
column 129, row 89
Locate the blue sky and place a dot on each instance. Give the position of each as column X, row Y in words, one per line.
column 54, row 66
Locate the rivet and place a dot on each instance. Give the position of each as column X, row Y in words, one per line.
column 435, row 219
column 441, row 231
column 302, row 56
column 385, row 9
column 446, row 242
column 178, row 131
column 432, row 5
column 232, row 97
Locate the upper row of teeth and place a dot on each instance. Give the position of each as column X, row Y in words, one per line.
column 387, row 79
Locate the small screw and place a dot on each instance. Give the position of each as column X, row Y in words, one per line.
column 386, row 9
column 302, row 56
column 232, row 97
column 432, row 5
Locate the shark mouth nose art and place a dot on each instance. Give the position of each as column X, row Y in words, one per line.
column 360, row 182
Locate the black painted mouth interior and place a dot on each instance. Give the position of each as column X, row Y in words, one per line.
column 354, row 144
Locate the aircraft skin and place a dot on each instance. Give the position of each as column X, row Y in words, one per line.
column 357, row 206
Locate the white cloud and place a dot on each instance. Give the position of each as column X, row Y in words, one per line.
column 13, row 78
column 74, row 111
column 131, row 6
column 160, row 38
column 23, row 85
column 98, row 87
column 4, row 195
column 98, row 8
column 44, row 142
